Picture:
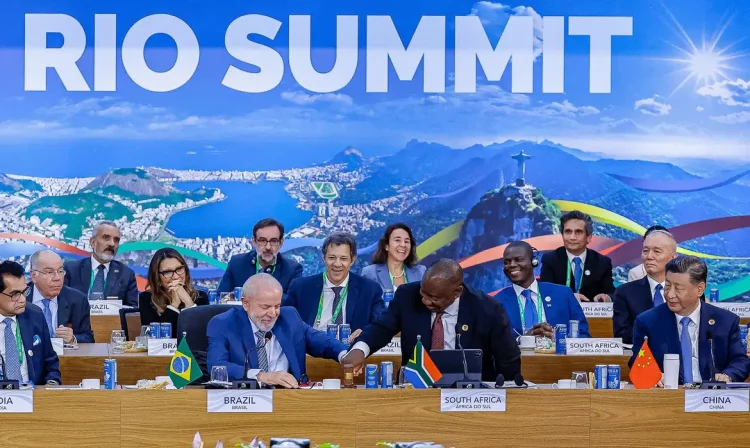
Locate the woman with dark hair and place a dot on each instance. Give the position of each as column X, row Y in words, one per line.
column 170, row 289
column 394, row 261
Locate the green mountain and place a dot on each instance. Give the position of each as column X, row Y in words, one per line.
column 73, row 210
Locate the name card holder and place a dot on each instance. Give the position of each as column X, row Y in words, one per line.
column 597, row 309
column 593, row 346
column 17, row 401
column 105, row 307
column 472, row 400
column 723, row 400
column 240, row 401
column 162, row 347
column 58, row 346
column 393, row 348
column 740, row 309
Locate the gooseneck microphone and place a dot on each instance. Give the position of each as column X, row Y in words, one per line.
column 4, row 382
column 710, row 383
column 246, row 382
column 466, row 382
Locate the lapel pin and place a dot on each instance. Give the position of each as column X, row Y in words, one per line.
column 711, row 322
column 30, row 353
column 465, row 327
column 37, row 340
column 548, row 299
column 587, row 272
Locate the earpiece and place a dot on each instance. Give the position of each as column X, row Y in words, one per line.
column 534, row 257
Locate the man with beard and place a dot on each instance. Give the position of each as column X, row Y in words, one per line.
column 66, row 310
column 101, row 276
column 273, row 339
column 268, row 237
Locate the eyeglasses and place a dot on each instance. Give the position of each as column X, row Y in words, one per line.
column 170, row 273
column 275, row 242
column 17, row 295
column 51, row 273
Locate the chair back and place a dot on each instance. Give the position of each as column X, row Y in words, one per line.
column 194, row 323
column 130, row 321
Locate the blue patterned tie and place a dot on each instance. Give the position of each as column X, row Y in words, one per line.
column 577, row 272
column 260, row 344
column 529, row 310
column 12, row 366
column 98, row 286
column 687, row 352
column 48, row 317
column 658, row 298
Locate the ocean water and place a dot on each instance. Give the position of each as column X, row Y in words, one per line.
column 245, row 204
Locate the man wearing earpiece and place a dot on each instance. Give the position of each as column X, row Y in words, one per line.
column 534, row 308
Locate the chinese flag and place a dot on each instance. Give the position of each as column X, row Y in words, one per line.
column 645, row 372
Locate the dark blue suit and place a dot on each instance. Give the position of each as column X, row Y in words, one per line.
column 482, row 323
column 242, row 267
column 561, row 308
column 660, row 326
column 73, row 310
column 43, row 364
column 630, row 300
column 230, row 337
column 364, row 300
column 120, row 281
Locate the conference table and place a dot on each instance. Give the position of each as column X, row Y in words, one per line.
column 88, row 362
column 362, row 418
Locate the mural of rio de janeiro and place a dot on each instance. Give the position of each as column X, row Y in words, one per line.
column 476, row 123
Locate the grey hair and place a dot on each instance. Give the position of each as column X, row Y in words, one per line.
column 34, row 260
column 662, row 232
column 339, row 238
column 259, row 283
column 103, row 223
column 691, row 265
column 445, row 269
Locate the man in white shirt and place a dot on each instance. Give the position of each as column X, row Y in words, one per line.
column 263, row 340
column 632, row 299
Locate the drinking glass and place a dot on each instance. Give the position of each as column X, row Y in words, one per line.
column 96, row 296
column 403, row 381
column 581, row 379
column 226, row 297
column 348, row 376
column 219, row 374
column 118, row 341
column 146, row 331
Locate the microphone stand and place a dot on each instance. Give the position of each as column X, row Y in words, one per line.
column 5, row 383
column 245, row 382
column 465, row 383
column 712, row 383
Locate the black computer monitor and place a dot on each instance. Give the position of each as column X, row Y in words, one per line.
column 450, row 363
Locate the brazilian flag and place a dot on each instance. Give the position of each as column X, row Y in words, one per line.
column 183, row 369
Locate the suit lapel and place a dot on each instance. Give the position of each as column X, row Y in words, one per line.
column 704, row 346
column 383, row 277
column 512, row 309
column 63, row 309
column 563, row 267
column 112, row 277
column 248, row 338
column 352, row 298
column 84, row 272
column 550, row 308
column 588, row 266
column 282, row 335
column 465, row 321
column 27, row 337
column 648, row 299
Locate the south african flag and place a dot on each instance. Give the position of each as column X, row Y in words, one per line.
column 183, row 369
column 420, row 371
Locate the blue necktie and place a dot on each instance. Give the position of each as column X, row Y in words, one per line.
column 98, row 286
column 12, row 366
column 48, row 317
column 687, row 352
column 577, row 273
column 529, row 311
column 658, row 298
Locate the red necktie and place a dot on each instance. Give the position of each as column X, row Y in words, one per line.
column 438, row 338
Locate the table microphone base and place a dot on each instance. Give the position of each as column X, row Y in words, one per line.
column 9, row 384
column 245, row 384
column 713, row 385
column 468, row 384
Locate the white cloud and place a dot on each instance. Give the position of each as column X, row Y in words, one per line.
column 189, row 122
column 735, row 118
column 653, row 106
column 127, row 109
column 494, row 16
column 731, row 93
column 68, row 108
column 568, row 109
column 305, row 99
column 699, row 109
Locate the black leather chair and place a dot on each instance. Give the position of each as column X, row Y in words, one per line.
column 124, row 323
column 193, row 322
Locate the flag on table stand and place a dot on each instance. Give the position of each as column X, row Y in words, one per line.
column 183, row 369
column 420, row 371
column 645, row 372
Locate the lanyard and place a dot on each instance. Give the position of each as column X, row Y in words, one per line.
column 91, row 283
column 521, row 307
column 19, row 343
column 336, row 312
column 406, row 280
column 259, row 268
column 567, row 279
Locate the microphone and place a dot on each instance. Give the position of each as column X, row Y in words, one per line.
column 500, row 381
column 5, row 383
column 466, row 382
column 711, row 383
column 518, row 380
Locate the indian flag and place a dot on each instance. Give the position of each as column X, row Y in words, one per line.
column 420, row 371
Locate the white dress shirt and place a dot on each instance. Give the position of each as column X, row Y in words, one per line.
column 450, row 319
column 652, row 283
column 328, row 296
column 534, row 288
column 277, row 361
column 37, row 300
column 571, row 257
column 694, row 330
column 24, row 365
column 95, row 265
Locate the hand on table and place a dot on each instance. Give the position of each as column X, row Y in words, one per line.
column 356, row 334
column 282, row 379
column 602, row 298
column 65, row 333
column 541, row 329
column 356, row 358
column 723, row 377
column 582, row 298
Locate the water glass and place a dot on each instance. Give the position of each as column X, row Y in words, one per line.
column 226, row 297
column 403, row 381
column 96, row 296
column 146, row 331
column 118, row 341
column 219, row 374
column 581, row 379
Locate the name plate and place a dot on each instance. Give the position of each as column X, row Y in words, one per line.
column 740, row 309
column 58, row 346
column 105, row 307
column 597, row 309
column 393, row 348
column 472, row 400
column 162, row 347
column 593, row 346
column 242, row 401
column 16, row 401
column 728, row 400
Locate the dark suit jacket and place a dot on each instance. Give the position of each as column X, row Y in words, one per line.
column 487, row 325
column 72, row 310
column 379, row 273
column 120, row 280
column 242, row 267
column 149, row 314
column 230, row 338
column 630, row 300
column 660, row 326
column 364, row 300
column 599, row 281
column 43, row 365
